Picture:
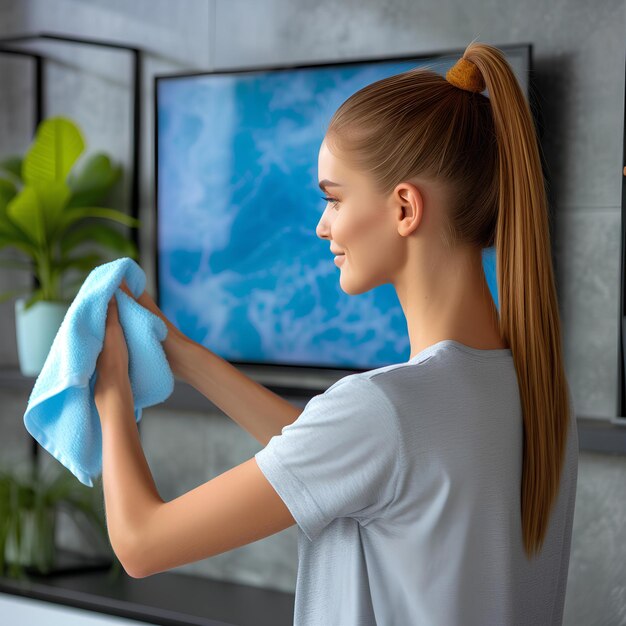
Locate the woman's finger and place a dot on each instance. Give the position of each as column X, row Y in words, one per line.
column 126, row 289
column 113, row 307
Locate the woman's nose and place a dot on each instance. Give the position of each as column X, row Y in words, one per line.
column 321, row 229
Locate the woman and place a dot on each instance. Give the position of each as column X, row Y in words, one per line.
column 439, row 491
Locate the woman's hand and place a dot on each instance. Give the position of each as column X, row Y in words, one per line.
column 146, row 300
column 112, row 363
column 176, row 342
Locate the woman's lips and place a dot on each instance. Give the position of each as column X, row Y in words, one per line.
column 339, row 259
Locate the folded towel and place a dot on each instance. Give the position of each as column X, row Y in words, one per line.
column 61, row 413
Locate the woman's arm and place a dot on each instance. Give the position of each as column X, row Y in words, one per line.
column 146, row 533
column 259, row 411
column 150, row 535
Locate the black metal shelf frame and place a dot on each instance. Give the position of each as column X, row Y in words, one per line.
column 39, row 114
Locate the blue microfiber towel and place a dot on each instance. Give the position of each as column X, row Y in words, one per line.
column 61, row 413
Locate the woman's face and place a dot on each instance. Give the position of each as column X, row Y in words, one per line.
column 358, row 223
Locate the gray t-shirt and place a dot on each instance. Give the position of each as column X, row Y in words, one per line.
column 405, row 485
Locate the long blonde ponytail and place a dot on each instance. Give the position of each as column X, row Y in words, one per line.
column 417, row 123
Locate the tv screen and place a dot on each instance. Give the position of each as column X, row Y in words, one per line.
column 240, row 268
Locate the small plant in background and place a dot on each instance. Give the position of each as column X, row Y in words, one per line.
column 46, row 212
column 44, row 205
column 29, row 502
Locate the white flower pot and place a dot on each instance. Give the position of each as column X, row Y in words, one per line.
column 36, row 329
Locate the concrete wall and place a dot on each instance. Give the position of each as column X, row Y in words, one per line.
column 579, row 64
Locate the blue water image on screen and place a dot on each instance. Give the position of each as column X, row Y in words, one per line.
column 241, row 269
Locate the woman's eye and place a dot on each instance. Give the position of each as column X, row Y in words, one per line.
column 331, row 200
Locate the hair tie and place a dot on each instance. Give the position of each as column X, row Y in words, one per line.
column 465, row 74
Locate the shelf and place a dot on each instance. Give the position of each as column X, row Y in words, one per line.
column 167, row 598
column 595, row 435
column 187, row 397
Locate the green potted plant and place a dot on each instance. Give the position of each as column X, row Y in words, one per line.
column 45, row 209
column 29, row 502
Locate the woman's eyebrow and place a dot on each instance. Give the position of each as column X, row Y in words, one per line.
column 328, row 183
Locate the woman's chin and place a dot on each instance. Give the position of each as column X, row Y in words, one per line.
column 351, row 284
column 351, row 287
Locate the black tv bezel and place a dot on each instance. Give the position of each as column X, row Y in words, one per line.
column 297, row 370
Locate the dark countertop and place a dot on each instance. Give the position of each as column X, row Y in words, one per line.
column 167, row 598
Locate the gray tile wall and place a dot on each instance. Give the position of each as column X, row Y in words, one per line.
column 579, row 63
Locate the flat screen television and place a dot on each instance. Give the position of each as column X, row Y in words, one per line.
column 239, row 267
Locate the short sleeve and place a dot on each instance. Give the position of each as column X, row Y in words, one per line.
column 339, row 458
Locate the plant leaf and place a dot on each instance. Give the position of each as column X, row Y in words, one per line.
column 85, row 262
column 94, row 181
column 106, row 235
column 23, row 245
column 53, row 197
column 7, row 191
column 13, row 165
column 58, row 143
column 10, row 233
column 76, row 213
column 7, row 295
column 25, row 210
column 36, row 296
